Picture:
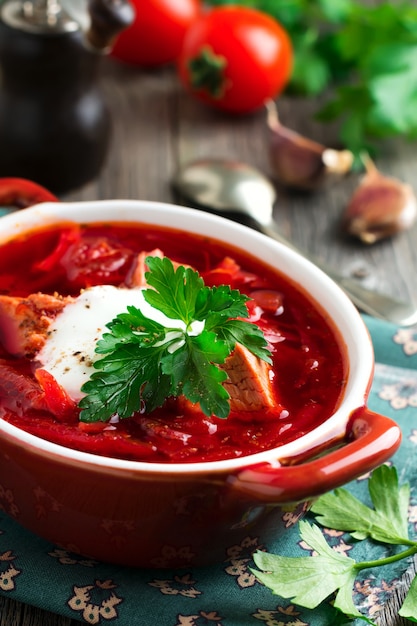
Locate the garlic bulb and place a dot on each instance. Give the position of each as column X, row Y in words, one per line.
column 380, row 206
column 300, row 162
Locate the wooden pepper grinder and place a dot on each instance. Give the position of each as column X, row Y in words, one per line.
column 54, row 123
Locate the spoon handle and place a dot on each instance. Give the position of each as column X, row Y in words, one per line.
column 372, row 302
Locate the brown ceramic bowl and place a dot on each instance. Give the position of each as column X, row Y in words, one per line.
column 155, row 514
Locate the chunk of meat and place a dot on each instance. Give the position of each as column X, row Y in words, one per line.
column 249, row 382
column 136, row 276
column 18, row 390
column 24, row 322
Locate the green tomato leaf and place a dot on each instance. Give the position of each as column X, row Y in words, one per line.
column 409, row 607
column 207, row 72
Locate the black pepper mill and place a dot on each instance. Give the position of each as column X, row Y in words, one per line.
column 54, row 122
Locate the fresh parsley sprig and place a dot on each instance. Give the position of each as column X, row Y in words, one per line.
column 308, row 581
column 145, row 361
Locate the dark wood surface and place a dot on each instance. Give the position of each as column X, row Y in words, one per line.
column 156, row 127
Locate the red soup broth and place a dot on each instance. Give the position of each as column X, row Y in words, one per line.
column 308, row 355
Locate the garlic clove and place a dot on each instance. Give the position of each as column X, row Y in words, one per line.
column 300, row 162
column 380, row 207
column 337, row 161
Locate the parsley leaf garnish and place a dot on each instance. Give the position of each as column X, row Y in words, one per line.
column 308, row 581
column 145, row 361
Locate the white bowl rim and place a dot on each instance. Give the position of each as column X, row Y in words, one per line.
column 331, row 297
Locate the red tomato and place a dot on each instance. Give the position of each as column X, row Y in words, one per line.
column 235, row 58
column 157, row 33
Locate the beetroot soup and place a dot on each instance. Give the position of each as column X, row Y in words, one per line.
column 53, row 278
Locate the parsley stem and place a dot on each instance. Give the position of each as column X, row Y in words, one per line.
column 387, row 560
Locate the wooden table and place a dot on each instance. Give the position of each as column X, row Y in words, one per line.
column 157, row 127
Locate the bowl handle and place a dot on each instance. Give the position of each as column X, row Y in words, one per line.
column 371, row 439
column 22, row 193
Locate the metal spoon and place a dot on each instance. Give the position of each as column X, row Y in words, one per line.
column 232, row 187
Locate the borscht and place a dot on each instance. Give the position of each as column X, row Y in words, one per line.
column 62, row 287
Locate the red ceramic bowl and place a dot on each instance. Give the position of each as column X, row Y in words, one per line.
column 154, row 514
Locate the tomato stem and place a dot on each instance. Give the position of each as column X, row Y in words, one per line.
column 207, row 72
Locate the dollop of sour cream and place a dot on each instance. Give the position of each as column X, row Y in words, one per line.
column 69, row 350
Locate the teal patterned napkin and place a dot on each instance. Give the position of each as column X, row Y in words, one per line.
column 38, row 573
